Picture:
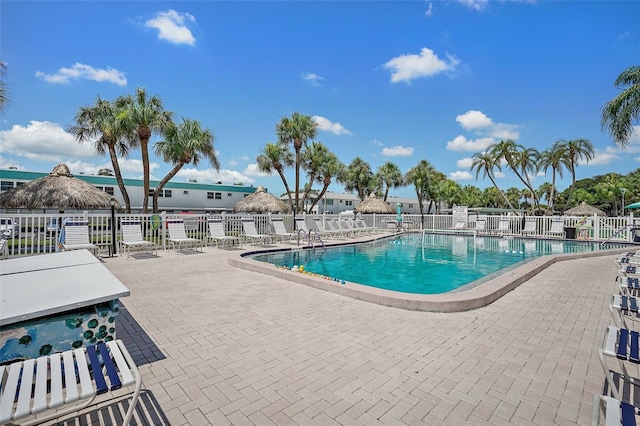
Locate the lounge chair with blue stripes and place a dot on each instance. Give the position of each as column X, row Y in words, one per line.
column 616, row 412
column 623, row 345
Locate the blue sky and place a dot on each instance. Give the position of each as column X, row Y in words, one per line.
column 386, row 81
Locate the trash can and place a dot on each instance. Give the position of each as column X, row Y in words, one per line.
column 570, row 232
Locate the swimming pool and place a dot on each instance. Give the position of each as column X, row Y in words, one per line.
column 429, row 264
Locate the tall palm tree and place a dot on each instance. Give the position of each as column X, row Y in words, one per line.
column 276, row 157
column 330, row 167
column 619, row 113
column 185, row 143
column 312, row 158
column 517, row 158
column 358, row 177
column 576, row 150
column 420, row 176
column 556, row 158
column 391, row 176
column 145, row 116
column 485, row 163
column 101, row 120
column 4, row 95
column 527, row 160
column 296, row 130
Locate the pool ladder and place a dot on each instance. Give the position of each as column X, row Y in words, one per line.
column 312, row 236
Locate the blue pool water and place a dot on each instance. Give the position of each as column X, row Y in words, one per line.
column 444, row 263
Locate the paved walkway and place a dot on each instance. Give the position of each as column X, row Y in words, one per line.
column 219, row 345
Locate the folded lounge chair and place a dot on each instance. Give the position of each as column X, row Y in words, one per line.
column 178, row 236
column 251, row 233
column 280, row 231
column 217, row 234
column 132, row 238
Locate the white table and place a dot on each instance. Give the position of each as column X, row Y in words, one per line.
column 38, row 286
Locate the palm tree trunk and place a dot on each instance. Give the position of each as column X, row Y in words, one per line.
column 326, row 184
column 121, row 186
column 295, row 208
column 501, row 193
column 286, row 185
column 553, row 190
column 163, row 182
column 144, row 150
column 307, row 189
column 386, row 193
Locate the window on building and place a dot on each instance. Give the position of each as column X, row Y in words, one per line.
column 185, row 192
column 229, row 194
column 19, row 183
column 410, row 206
column 218, row 196
column 167, row 193
column 348, row 203
column 329, row 202
column 151, row 192
column 209, row 195
column 6, row 185
column 108, row 190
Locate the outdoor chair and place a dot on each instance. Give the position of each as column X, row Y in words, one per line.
column 481, row 226
column 301, row 226
column 624, row 307
column 623, row 345
column 332, row 227
column 529, row 226
column 279, row 230
column 36, row 390
column 364, row 227
column 460, row 225
column 503, row 226
column 178, row 236
column 132, row 238
column 557, row 228
column 616, row 412
column 76, row 237
column 251, row 233
column 217, row 234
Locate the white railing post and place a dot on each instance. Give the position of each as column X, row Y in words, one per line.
column 163, row 222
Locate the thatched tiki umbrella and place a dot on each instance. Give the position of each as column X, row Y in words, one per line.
column 372, row 204
column 61, row 190
column 584, row 209
column 260, row 202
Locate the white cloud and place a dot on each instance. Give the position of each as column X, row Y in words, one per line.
column 376, row 142
column 397, row 151
column 252, row 170
column 213, row 176
column 458, row 175
column 43, row 141
column 461, row 143
column 498, row 174
column 411, row 66
column 233, row 163
column 314, row 79
column 473, row 119
column 475, row 4
column 81, row 71
column 464, row 163
column 429, row 11
column 171, row 26
column 245, row 158
column 602, row 157
column 327, row 125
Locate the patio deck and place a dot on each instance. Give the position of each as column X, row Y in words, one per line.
column 219, row 345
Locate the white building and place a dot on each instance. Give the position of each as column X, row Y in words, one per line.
column 336, row 203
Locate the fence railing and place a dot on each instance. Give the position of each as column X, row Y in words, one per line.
column 40, row 233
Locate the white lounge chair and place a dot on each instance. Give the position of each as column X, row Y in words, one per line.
column 217, row 234
column 616, row 412
column 76, row 237
column 623, row 345
column 178, row 236
column 481, row 226
column 503, row 226
column 251, row 233
column 529, row 226
column 132, row 238
column 459, row 226
column 557, row 228
column 280, row 231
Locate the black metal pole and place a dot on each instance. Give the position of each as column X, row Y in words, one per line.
column 113, row 229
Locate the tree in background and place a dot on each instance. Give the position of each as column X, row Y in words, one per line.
column 471, row 196
column 520, row 160
column 102, row 121
column 184, row 143
column 276, row 157
column 451, row 193
column 296, row 130
column 555, row 158
column 619, row 114
column 4, row 93
column 390, row 176
column 330, row 167
column 358, row 177
column 144, row 116
column 574, row 151
column 485, row 163
column 419, row 176
column 312, row 158
column 545, row 191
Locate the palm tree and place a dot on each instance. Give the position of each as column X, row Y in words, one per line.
column 619, row 114
column 276, row 157
column 527, row 160
column 576, row 150
column 296, row 130
column 517, row 158
column 185, row 143
column 4, row 95
column 420, row 176
column 545, row 190
column 145, row 116
column 101, row 120
column 312, row 158
column 556, row 158
column 485, row 163
column 391, row 176
column 358, row 177
column 330, row 167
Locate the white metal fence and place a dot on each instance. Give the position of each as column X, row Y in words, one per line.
column 40, row 233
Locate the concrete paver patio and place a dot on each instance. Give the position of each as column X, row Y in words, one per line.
column 220, row 345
